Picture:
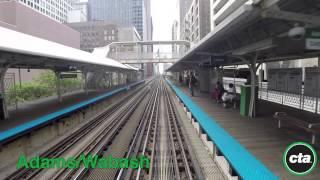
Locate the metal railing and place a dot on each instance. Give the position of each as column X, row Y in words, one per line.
column 144, row 56
column 299, row 100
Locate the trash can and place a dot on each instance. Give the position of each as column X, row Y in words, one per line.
column 245, row 100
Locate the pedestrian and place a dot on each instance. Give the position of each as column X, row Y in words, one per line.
column 192, row 83
column 180, row 79
column 187, row 80
column 218, row 92
column 229, row 95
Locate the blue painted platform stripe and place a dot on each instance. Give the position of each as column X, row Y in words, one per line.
column 50, row 117
column 246, row 165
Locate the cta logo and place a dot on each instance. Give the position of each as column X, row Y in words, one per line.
column 300, row 158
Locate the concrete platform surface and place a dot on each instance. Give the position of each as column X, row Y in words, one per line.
column 31, row 110
column 260, row 136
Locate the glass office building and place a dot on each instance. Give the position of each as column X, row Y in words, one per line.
column 120, row 12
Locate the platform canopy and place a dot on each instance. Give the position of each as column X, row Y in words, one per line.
column 18, row 50
column 257, row 28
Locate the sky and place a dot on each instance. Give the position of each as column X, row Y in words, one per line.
column 163, row 13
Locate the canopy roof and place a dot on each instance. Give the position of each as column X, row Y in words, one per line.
column 257, row 28
column 25, row 51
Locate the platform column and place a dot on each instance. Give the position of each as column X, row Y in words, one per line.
column 204, row 79
column 130, row 76
column 58, row 85
column 220, row 74
column 110, row 78
column 85, row 73
column 118, row 76
column 4, row 114
column 253, row 66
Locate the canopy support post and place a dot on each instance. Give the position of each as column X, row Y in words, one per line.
column 85, row 73
column 4, row 114
column 253, row 66
column 58, row 85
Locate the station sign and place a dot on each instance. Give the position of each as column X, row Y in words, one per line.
column 313, row 39
column 68, row 75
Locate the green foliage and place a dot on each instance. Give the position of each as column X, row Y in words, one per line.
column 47, row 78
column 43, row 86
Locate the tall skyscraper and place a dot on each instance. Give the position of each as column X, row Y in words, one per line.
column 124, row 13
column 184, row 6
column 197, row 21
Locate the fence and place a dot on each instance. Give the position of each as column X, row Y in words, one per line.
column 10, row 90
column 299, row 101
column 13, row 92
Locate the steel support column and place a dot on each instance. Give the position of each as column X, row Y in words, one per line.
column 253, row 67
column 85, row 73
column 204, row 80
column 5, row 113
column 118, row 76
column 111, row 79
column 220, row 74
column 58, row 85
column 253, row 71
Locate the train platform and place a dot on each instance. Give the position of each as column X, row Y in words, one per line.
column 42, row 111
column 259, row 136
column 32, row 110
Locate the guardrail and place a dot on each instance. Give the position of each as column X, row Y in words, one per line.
column 299, row 101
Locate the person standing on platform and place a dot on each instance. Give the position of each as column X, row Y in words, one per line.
column 218, row 92
column 192, row 83
column 180, row 79
column 187, row 80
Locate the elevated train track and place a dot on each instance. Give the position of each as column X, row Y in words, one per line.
column 144, row 122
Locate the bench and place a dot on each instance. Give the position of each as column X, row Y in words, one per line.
column 310, row 127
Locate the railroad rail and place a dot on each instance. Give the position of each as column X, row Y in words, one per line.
column 156, row 133
column 160, row 138
column 65, row 145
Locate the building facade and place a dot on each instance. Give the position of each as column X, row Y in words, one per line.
column 184, row 6
column 95, row 34
column 123, row 13
column 79, row 12
column 128, row 34
column 197, row 21
column 18, row 17
column 56, row 10
column 175, row 34
column 147, row 21
column 221, row 9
